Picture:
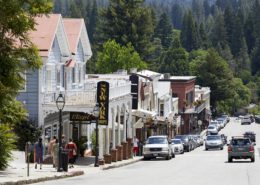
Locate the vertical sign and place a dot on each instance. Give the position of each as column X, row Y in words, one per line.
column 103, row 102
column 134, row 90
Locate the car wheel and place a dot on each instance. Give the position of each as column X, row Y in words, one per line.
column 146, row 158
column 168, row 157
column 221, row 148
column 230, row 159
column 173, row 155
column 252, row 159
column 206, row 148
column 182, row 152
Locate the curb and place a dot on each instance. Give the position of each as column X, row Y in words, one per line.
column 123, row 164
column 41, row 179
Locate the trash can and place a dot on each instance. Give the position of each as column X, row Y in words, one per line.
column 64, row 160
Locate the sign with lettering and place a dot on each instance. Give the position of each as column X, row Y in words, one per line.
column 103, row 101
column 81, row 116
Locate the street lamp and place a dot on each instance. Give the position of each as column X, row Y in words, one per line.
column 60, row 103
column 144, row 121
column 96, row 114
column 166, row 123
column 155, row 124
column 182, row 123
column 199, row 123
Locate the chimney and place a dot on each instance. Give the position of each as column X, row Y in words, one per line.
column 167, row 75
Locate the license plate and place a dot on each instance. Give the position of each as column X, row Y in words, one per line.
column 155, row 155
column 240, row 149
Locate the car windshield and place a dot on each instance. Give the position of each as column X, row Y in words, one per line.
column 157, row 140
column 211, row 127
column 181, row 137
column 240, row 142
column 213, row 137
column 176, row 141
column 213, row 122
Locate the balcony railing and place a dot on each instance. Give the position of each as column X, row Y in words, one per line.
column 87, row 96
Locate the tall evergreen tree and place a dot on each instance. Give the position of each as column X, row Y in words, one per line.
column 242, row 59
column 249, row 31
column 128, row 22
column 177, row 16
column 204, row 40
column 189, row 33
column 198, row 10
column 237, row 36
column 219, row 33
column 163, row 30
column 93, row 16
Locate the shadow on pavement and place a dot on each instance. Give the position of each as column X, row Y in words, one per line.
column 85, row 161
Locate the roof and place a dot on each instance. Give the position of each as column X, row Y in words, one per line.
column 73, row 29
column 44, row 34
column 148, row 74
column 179, row 78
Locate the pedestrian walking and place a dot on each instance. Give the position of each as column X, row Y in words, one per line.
column 38, row 153
column 72, row 147
column 50, row 150
column 135, row 143
column 55, row 149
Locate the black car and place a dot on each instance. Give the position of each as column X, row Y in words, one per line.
column 187, row 142
column 250, row 135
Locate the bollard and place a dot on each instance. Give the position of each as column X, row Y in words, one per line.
column 28, row 157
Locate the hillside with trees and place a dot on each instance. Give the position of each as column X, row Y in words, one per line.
column 216, row 40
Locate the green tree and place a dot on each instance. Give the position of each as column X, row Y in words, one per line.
column 17, row 54
column 127, row 22
column 215, row 73
column 189, row 33
column 177, row 16
column 175, row 60
column 219, row 33
column 114, row 57
column 163, row 30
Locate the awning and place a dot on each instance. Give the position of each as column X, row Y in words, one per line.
column 139, row 123
column 143, row 113
column 70, row 63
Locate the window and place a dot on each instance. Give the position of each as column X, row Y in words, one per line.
column 161, row 109
column 189, row 97
column 73, row 75
column 79, row 73
column 48, row 80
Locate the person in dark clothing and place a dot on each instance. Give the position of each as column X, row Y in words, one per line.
column 38, row 153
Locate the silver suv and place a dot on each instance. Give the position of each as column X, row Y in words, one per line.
column 157, row 146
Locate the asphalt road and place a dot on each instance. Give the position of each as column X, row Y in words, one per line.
column 198, row 167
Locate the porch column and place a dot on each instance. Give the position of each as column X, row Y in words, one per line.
column 107, row 140
column 125, row 125
column 118, row 128
column 113, row 130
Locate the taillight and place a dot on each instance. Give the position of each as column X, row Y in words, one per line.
column 251, row 149
column 229, row 149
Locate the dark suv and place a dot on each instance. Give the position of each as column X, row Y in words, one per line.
column 241, row 148
column 250, row 135
column 187, row 142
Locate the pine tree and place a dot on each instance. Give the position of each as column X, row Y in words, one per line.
column 127, row 22
column 177, row 16
column 163, row 30
column 92, row 21
column 249, row 31
column 219, row 33
column 189, row 33
column 204, row 40
column 198, row 10
column 242, row 59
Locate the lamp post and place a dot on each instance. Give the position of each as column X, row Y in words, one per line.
column 96, row 114
column 182, row 123
column 155, row 124
column 167, row 129
column 60, row 103
column 144, row 121
column 199, row 123
column 174, row 125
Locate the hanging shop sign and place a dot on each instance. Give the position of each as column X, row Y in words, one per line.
column 81, row 116
column 103, row 101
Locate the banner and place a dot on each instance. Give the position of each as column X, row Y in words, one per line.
column 103, row 102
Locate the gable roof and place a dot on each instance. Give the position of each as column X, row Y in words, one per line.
column 73, row 29
column 44, row 33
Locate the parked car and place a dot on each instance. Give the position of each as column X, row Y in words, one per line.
column 226, row 117
column 221, row 122
column 212, row 129
column 198, row 139
column 224, row 139
column 257, row 118
column 213, row 141
column 157, row 146
column 186, row 140
column 216, row 123
column 241, row 148
column 177, row 146
column 250, row 135
column 246, row 120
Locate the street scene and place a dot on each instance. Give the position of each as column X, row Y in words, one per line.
column 130, row 92
column 195, row 167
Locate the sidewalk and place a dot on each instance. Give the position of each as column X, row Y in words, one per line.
column 16, row 173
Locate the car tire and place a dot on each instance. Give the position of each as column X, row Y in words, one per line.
column 146, row 158
column 173, row 155
column 230, row 159
column 252, row 159
column 206, row 148
column 168, row 157
column 221, row 148
column 182, row 152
